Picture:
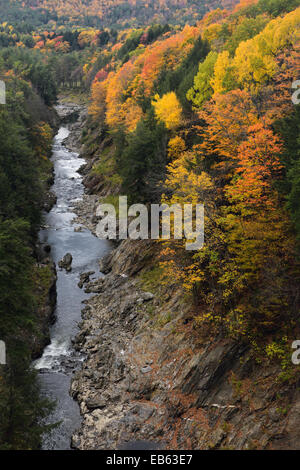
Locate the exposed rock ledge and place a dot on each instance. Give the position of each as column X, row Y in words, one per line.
column 146, row 376
column 73, row 116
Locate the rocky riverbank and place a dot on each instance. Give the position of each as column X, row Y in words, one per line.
column 74, row 116
column 147, row 377
column 151, row 378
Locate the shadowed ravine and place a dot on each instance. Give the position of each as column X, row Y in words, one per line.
column 59, row 360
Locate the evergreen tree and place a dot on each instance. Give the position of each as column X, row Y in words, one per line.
column 289, row 129
column 142, row 162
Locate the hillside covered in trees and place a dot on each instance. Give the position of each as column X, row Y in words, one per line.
column 207, row 114
column 189, row 102
column 203, row 115
column 25, row 137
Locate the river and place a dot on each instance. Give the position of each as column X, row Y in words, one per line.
column 59, row 360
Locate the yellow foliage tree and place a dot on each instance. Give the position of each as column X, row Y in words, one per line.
column 222, row 79
column 187, row 185
column 168, row 110
column 175, row 147
column 97, row 108
column 254, row 60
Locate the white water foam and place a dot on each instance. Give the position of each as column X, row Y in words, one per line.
column 52, row 354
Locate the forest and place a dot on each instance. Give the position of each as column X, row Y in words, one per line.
column 25, row 136
column 115, row 13
column 189, row 102
column 212, row 106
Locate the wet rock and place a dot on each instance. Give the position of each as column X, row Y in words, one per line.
column 42, row 252
column 141, row 445
column 74, row 117
column 85, row 278
column 44, row 371
column 49, row 200
column 66, row 262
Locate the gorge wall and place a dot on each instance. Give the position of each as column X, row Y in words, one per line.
column 150, row 375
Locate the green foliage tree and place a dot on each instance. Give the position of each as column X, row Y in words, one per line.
column 22, row 407
column 202, row 89
column 181, row 79
column 21, row 164
column 247, row 29
column 277, row 7
column 289, row 129
column 20, row 190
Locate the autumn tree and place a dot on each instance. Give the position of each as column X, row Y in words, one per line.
column 168, row 110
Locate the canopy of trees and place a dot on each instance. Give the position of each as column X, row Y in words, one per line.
column 220, row 95
column 188, row 104
column 25, row 142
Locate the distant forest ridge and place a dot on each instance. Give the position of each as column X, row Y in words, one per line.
column 110, row 13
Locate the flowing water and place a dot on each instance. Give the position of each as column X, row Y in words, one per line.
column 59, row 359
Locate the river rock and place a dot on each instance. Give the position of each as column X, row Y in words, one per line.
column 66, row 262
column 85, row 278
column 49, row 200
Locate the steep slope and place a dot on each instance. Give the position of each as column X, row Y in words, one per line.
column 196, row 351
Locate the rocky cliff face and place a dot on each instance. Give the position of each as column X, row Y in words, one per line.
column 73, row 116
column 149, row 375
column 45, row 275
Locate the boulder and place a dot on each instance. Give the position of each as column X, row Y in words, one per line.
column 66, row 262
column 95, row 403
column 85, row 278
